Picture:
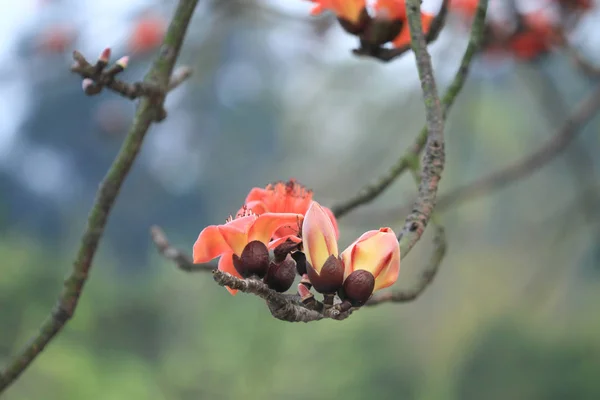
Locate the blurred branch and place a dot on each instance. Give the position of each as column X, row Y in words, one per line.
column 182, row 260
column 386, row 55
column 429, row 272
column 584, row 65
column 574, row 124
column 96, row 77
column 425, row 278
column 146, row 113
column 434, row 157
column 371, row 191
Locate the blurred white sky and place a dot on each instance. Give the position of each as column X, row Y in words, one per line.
column 106, row 19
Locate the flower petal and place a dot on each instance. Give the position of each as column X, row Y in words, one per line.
column 210, row 244
column 266, row 224
column 256, row 206
column 235, row 232
column 256, row 194
column 226, row 265
column 318, row 235
column 377, row 252
column 403, row 39
column 347, row 253
column 333, row 222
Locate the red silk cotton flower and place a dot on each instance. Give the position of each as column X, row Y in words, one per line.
column 239, row 240
column 284, row 197
column 349, row 10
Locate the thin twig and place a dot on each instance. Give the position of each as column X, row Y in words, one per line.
column 146, row 113
column 429, row 272
column 425, row 278
column 387, row 55
column 182, row 260
column 574, row 124
column 434, row 157
column 371, row 191
column 584, row 65
column 283, row 307
column 179, row 76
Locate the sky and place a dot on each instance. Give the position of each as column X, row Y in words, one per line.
column 43, row 169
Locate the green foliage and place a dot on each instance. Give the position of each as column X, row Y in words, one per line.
column 167, row 335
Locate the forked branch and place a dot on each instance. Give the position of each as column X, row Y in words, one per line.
column 149, row 110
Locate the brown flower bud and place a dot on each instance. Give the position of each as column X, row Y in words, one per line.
column 358, row 287
column 280, row 276
column 356, row 28
column 253, row 261
column 300, row 259
column 331, row 277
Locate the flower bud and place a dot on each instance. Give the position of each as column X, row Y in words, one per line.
column 358, row 287
column 330, row 278
column 105, row 56
column 123, row 62
column 280, row 276
column 253, row 261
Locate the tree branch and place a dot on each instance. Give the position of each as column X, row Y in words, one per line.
column 182, row 260
column 434, row 157
column 574, row 124
column 282, row 306
column 371, row 191
column 147, row 112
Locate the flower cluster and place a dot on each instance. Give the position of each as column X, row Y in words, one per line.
column 526, row 31
column 281, row 231
column 387, row 23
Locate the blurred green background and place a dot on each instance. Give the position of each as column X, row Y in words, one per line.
column 513, row 313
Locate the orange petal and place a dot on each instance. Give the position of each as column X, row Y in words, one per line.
column 266, row 224
column 210, row 244
column 319, row 237
column 333, row 222
column 317, row 9
column 258, row 207
column 256, row 194
column 377, row 252
column 403, row 39
column 391, row 9
column 347, row 253
column 235, row 232
column 226, row 265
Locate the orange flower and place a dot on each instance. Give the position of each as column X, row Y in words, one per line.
column 349, row 10
column 467, row 8
column 396, row 10
column 369, row 264
column 323, row 266
column 284, row 197
column 528, row 45
column 377, row 252
column 231, row 238
column 56, row 38
column 147, row 34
